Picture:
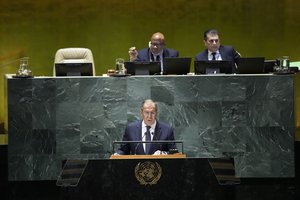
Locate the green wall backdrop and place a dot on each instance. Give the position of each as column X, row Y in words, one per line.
column 37, row 29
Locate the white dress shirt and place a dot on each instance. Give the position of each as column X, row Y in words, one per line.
column 217, row 56
column 144, row 130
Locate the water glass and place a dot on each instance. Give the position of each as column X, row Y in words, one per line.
column 285, row 64
column 120, row 67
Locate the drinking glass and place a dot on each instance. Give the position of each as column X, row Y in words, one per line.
column 120, row 67
column 285, row 63
column 24, row 71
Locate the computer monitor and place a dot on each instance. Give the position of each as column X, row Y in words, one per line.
column 143, row 68
column 213, row 67
column 269, row 65
column 250, row 65
column 177, row 66
column 73, row 69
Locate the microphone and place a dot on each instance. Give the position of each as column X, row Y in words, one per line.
column 136, row 146
column 9, row 62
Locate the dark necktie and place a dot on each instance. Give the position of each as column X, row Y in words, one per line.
column 148, row 138
column 157, row 58
column 213, row 55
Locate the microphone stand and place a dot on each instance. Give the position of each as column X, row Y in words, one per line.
column 136, row 146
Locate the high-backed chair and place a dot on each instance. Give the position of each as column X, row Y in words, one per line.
column 74, row 55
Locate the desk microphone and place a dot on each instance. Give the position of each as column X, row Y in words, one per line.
column 144, row 135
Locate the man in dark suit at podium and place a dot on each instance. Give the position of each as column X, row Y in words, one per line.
column 156, row 51
column 148, row 129
column 215, row 51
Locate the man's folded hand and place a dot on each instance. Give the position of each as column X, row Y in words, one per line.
column 159, row 152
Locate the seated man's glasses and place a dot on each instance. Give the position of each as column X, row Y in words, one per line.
column 156, row 44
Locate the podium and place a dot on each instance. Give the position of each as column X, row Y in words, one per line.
column 148, row 177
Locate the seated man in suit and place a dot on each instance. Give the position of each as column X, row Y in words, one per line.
column 216, row 51
column 155, row 52
column 148, row 129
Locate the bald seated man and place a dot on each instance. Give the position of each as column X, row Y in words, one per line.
column 156, row 51
column 147, row 129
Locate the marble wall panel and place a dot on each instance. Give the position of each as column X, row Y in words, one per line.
column 249, row 118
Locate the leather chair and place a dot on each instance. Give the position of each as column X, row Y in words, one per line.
column 74, row 55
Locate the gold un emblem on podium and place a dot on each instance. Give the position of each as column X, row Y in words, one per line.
column 148, row 172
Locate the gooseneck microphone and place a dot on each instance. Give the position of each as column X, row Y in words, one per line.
column 138, row 144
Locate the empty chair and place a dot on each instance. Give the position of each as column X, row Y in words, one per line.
column 74, row 55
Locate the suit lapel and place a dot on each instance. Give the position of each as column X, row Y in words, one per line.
column 223, row 53
column 165, row 54
column 206, row 55
column 138, row 136
column 157, row 131
column 156, row 136
column 150, row 56
column 138, row 130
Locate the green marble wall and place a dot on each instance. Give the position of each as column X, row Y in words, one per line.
column 248, row 118
column 38, row 28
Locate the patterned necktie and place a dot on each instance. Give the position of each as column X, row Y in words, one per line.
column 213, row 55
column 148, row 138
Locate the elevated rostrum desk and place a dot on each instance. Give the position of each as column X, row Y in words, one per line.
column 249, row 118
